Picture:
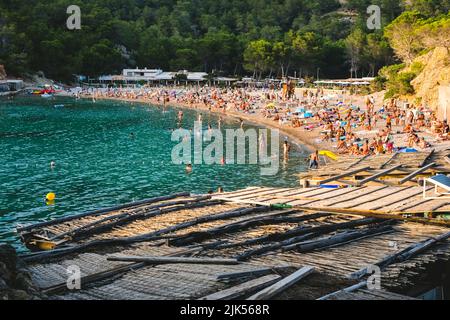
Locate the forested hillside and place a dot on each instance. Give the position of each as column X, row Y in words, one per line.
column 229, row 37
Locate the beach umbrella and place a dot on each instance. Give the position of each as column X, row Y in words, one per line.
column 270, row 106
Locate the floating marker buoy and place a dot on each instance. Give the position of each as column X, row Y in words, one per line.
column 50, row 197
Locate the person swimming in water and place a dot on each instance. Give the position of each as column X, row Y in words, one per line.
column 188, row 168
column 286, row 149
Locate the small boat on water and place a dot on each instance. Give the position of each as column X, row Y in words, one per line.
column 58, row 106
column 46, row 95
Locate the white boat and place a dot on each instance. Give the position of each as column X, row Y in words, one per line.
column 46, row 95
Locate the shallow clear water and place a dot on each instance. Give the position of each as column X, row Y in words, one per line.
column 98, row 162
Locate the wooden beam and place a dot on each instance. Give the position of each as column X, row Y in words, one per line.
column 299, row 234
column 244, row 289
column 427, row 158
column 282, row 285
column 140, row 238
column 345, row 174
column 240, row 226
column 338, row 239
column 346, row 290
column 357, row 162
column 89, row 280
column 102, row 211
column 127, row 217
column 252, row 273
column 379, row 174
column 417, row 172
column 172, row 260
column 446, row 158
column 379, row 214
column 402, row 255
column 358, row 196
column 389, row 160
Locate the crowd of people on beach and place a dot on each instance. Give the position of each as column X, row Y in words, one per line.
column 337, row 120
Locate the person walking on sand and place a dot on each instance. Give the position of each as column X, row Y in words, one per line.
column 314, row 160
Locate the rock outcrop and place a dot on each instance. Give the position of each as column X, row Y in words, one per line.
column 15, row 281
column 436, row 73
column 2, row 72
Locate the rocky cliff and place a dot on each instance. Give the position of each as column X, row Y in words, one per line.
column 2, row 72
column 436, row 73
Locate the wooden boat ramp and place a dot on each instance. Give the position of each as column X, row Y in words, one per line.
column 255, row 243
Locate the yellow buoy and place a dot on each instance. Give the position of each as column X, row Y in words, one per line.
column 45, row 245
column 50, row 197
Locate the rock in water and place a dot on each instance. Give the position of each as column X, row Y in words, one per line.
column 15, row 281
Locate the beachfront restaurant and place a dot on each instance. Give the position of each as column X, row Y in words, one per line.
column 152, row 77
column 11, row 85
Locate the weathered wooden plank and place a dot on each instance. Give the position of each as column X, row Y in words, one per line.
column 389, row 160
column 340, row 238
column 377, row 175
column 282, row 285
column 244, row 289
column 377, row 198
column 300, row 234
column 252, row 273
column 403, row 254
column 343, row 175
column 417, row 172
column 198, row 236
column 426, row 158
column 414, row 193
column 140, row 238
column 378, row 214
column 357, row 162
column 361, row 190
column 115, row 220
column 172, row 260
column 345, row 290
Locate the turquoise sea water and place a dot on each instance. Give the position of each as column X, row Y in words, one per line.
column 98, row 161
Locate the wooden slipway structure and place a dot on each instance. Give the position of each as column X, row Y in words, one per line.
column 256, row 243
column 396, row 169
